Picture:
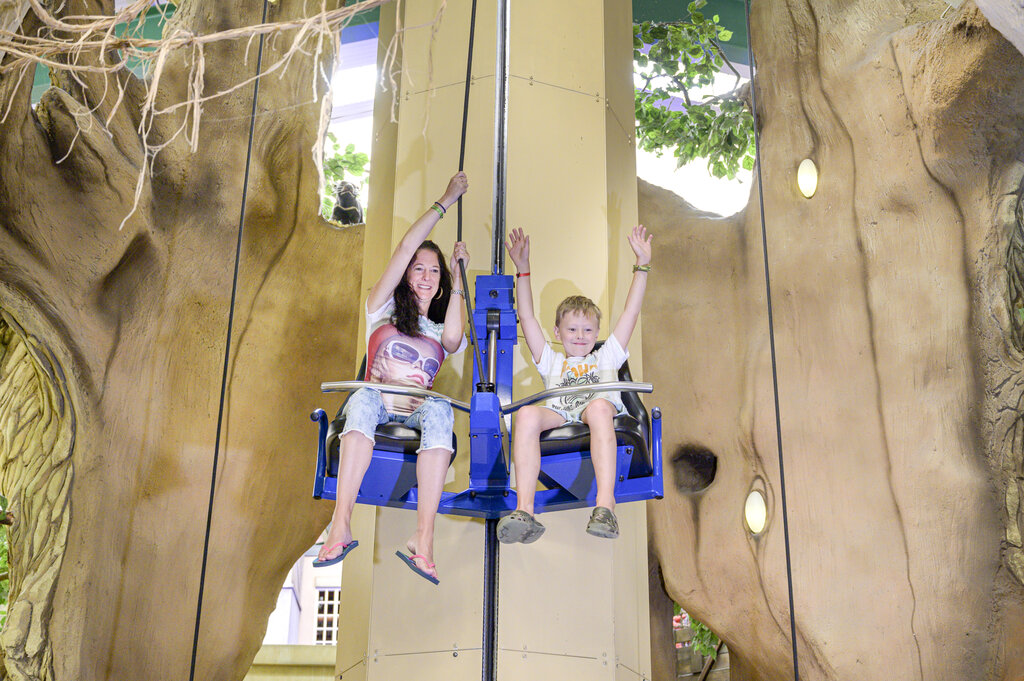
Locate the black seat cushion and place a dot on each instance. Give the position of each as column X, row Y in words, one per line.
column 575, row 437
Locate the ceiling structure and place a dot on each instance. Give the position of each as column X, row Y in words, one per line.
column 731, row 15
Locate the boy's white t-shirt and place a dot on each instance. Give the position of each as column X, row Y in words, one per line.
column 395, row 358
column 600, row 366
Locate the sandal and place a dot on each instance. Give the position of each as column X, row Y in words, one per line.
column 345, row 548
column 410, row 560
column 519, row 526
column 603, row 523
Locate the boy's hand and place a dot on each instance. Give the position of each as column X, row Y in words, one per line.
column 457, row 186
column 518, row 245
column 459, row 252
column 640, row 242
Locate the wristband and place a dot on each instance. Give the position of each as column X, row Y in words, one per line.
column 522, row 274
column 437, row 208
column 641, row 268
column 438, row 204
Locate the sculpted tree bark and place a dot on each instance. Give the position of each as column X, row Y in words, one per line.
column 898, row 317
column 112, row 348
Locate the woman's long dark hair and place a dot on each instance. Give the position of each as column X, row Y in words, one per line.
column 407, row 311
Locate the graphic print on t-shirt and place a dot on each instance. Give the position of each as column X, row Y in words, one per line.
column 581, row 374
column 398, row 359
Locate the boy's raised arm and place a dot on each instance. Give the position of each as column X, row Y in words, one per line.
column 518, row 245
column 640, row 241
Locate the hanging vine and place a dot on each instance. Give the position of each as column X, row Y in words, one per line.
column 73, row 46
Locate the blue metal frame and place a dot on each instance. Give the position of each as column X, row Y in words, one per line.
column 391, row 478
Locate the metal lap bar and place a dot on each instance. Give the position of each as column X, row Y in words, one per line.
column 320, row 417
column 349, row 386
column 614, row 386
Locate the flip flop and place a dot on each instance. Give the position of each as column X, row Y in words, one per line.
column 338, row 558
column 411, row 562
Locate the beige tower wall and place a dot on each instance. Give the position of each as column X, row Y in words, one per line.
column 570, row 604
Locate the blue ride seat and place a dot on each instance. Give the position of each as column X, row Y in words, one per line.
column 568, row 472
column 391, row 478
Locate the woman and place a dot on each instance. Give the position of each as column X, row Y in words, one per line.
column 414, row 319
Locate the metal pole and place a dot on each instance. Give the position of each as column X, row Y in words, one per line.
column 501, row 138
column 490, row 639
column 492, row 356
column 490, row 599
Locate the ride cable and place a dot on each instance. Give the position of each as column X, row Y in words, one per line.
column 227, row 350
column 462, row 163
column 771, row 340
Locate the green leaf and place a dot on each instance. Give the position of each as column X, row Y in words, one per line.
column 337, row 165
column 704, row 640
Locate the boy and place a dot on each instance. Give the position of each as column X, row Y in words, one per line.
column 577, row 322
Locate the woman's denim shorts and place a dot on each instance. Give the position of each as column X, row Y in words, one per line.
column 434, row 418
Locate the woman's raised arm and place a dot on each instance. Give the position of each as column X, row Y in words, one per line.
column 414, row 236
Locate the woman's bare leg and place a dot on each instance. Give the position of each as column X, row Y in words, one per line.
column 355, row 451
column 431, row 469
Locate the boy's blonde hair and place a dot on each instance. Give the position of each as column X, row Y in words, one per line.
column 580, row 304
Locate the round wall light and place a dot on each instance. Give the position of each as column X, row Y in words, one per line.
column 755, row 512
column 807, row 177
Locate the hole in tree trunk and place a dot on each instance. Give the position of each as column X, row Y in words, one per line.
column 695, row 468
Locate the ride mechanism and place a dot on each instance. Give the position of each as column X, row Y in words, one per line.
column 566, row 468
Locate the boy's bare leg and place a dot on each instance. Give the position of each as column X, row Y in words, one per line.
column 598, row 415
column 531, row 421
column 431, row 469
column 355, row 451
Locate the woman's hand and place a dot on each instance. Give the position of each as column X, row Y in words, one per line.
column 640, row 242
column 518, row 245
column 459, row 252
column 457, row 186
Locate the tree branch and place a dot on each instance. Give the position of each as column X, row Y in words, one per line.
column 721, row 53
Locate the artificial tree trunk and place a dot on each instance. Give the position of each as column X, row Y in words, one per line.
column 112, row 349
column 898, row 318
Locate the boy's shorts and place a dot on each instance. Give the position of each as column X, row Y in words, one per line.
column 576, row 416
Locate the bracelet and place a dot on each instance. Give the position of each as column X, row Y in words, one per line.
column 641, row 268
column 439, row 209
column 522, row 274
column 458, row 292
column 438, row 204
